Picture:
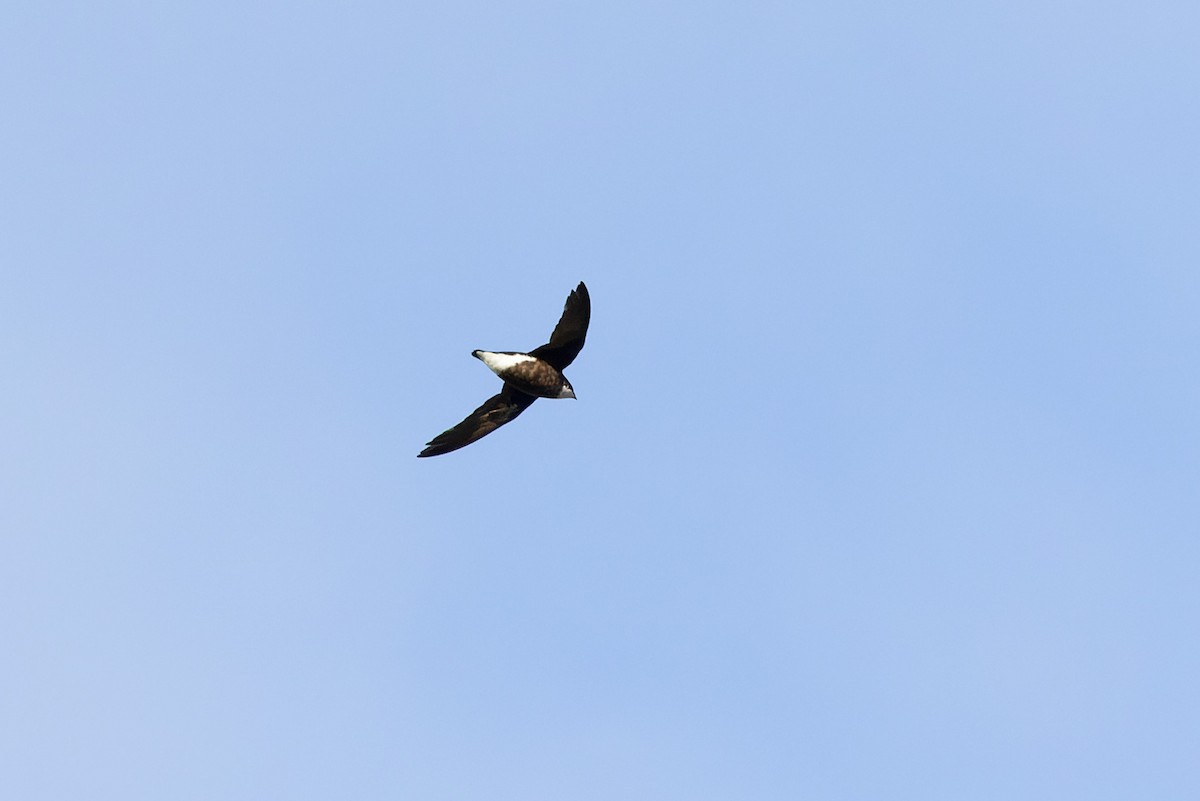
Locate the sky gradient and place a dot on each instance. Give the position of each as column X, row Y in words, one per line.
column 881, row 483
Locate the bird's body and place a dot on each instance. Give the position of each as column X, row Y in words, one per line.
column 527, row 373
column 526, row 376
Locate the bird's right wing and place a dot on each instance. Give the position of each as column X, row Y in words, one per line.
column 571, row 331
column 495, row 412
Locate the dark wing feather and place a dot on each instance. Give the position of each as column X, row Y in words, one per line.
column 495, row 412
column 571, row 331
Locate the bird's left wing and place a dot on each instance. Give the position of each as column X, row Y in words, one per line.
column 495, row 412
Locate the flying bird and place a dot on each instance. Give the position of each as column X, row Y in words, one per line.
column 526, row 376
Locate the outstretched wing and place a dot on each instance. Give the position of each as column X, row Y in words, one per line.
column 571, row 331
column 495, row 412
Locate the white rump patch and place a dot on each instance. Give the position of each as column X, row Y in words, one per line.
column 499, row 362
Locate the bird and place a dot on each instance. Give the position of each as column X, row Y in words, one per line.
column 526, row 376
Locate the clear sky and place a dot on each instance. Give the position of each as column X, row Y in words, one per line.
column 883, row 478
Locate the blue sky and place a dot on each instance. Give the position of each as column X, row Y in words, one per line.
column 882, row 480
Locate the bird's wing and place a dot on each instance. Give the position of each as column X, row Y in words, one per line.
column 495, row 412
column 571, row 331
